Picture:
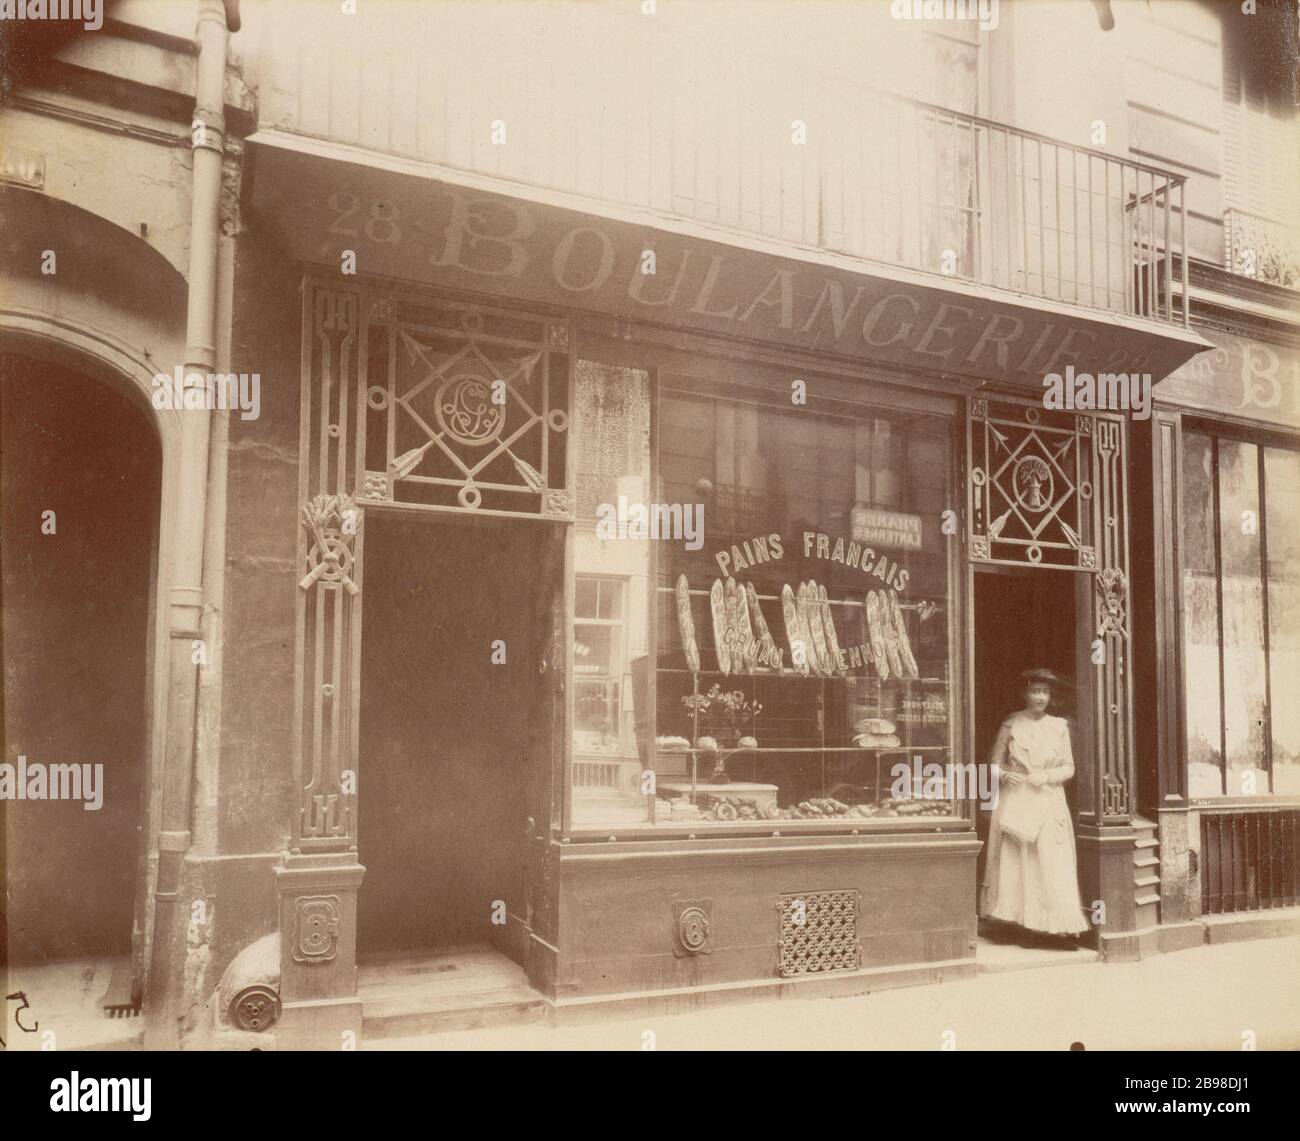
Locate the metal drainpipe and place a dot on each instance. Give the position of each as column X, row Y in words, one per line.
column 185, row 612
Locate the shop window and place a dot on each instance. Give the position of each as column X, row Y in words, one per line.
column 1241, row 635
column 800, row 650
column 611, row 430
column 803, row 650
column 599, row 663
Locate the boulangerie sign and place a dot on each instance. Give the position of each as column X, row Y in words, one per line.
column 410, row 227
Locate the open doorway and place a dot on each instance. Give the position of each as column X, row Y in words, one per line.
column 450, row 688
column 1024, row 618
column 80, row 489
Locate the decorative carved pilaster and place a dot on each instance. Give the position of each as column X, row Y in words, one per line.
column 327, row 645
column 1111, row 800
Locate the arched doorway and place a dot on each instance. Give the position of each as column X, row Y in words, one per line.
column 80, row 487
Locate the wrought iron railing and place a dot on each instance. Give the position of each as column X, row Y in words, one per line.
column 1261, row 248
column 1248, row 860
column 979, row 200
column 705, row 134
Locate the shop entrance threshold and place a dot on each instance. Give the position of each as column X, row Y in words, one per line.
column 407, row 994
column 999, row 948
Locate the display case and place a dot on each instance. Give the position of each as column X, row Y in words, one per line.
column 837, row 740
column 798, row 668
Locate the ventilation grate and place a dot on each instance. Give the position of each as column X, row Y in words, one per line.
column 819, row 932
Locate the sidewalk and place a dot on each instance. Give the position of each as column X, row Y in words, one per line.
column 1200, row 999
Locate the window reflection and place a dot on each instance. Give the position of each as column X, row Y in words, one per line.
column 1241, row 636
column 803, row 652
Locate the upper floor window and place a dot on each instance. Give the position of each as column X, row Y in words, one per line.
column 1261, row 158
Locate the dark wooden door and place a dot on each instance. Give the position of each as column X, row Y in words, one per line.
column 450, row 683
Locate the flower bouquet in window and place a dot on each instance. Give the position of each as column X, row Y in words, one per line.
column 720, row 720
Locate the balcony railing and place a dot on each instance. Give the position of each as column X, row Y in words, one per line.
column 969, row 198
column 634, row 113
column 1261, row 248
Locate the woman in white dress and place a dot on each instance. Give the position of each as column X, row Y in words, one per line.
column 1031, row 874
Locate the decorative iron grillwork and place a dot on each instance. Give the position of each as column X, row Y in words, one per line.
column 1030, row 486
column 819, row 932
column 466, row 409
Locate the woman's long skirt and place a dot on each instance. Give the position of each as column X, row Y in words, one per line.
column 1035, row 885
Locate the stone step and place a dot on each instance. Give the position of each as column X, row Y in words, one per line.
column 1146, row 872
column 995, row 956
column 463, row 988
column 411, row 1015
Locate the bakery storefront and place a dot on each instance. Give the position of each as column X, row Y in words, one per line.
column 672, row 586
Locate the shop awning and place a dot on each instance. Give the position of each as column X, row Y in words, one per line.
column 429, row 225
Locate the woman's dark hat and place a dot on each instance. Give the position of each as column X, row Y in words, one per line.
column 1042, row 677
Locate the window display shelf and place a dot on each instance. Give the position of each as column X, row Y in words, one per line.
column 806, row 749
column 795, row 675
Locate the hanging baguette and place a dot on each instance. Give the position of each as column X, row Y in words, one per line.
column 718, row 608
column 760, row 627
column 748, row 642
column 810, row 607
column 832, row 639
column 687, row 625
column 733, row 601
column 794, row 633
column 906, row 657
column 876, row 629
column 891, row 635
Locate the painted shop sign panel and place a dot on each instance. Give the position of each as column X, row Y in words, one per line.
column 415, row 229
column 886, row 528
column 741, row 631
column 1240, row 378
